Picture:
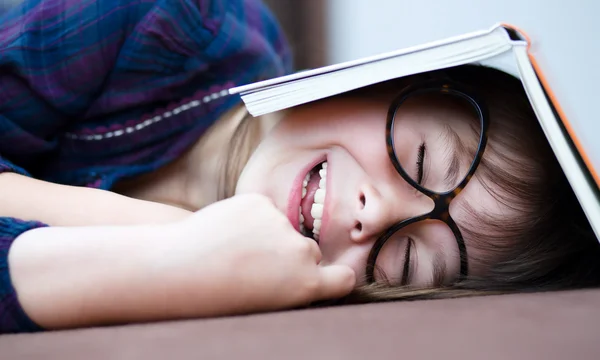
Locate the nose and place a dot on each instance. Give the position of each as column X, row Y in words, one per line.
column 376, row 212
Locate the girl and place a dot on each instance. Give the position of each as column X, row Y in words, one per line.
column 121, row 202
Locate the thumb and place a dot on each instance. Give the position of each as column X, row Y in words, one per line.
column 336, row 281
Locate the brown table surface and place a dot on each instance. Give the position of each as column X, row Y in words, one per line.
column 563, row 325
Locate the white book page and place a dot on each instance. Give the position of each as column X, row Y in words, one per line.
column 354, row 63
column 558, row 141
column 270, row 97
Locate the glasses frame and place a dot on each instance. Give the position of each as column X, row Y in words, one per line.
column 441, row 200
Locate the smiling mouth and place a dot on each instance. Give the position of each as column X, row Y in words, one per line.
column 313, row 200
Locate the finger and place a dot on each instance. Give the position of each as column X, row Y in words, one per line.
column 309, row 247
column 336, row 281
column 313, row 248
column 260, row 200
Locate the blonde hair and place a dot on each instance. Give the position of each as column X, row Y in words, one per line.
column 244, row 140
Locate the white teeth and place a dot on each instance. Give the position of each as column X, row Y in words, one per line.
column 323, row 175
column 316, row 211
column 317, row 227
column 322, row 183
column 304, row 184
column 320, row 196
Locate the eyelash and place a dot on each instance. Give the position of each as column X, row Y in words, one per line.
column 420, row 160
column 406, row 269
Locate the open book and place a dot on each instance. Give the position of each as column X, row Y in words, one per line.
column 502, row 47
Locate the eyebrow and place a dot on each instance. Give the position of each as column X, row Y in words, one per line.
column 439, row 268
column 456, row 147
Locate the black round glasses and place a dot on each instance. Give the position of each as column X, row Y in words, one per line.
column 459, row 162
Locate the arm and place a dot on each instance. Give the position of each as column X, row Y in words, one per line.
column 72, row 277
column 22, row 197
column 199, row 267
column 58, row 205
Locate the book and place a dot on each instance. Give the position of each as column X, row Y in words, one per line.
column 502, row 46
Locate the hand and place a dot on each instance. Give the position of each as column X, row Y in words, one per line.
column 256, row 261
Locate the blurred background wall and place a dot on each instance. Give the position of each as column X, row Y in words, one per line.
column 330, row 31
column 305, row 24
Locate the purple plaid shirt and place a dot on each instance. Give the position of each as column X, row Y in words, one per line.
column 93, row 91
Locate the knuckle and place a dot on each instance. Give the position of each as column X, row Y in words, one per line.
column 314, row 247
column 250, row 199
column 305, row 247
column 309, row 288
column 259, row 199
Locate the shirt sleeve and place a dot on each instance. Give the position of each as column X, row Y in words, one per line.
column 68, row 64
column 55, row 56
column 7, row 166
column 12, row 316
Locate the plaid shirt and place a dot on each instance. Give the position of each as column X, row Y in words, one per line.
column 92, row 91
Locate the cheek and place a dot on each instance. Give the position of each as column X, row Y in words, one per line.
column 337, row 122
column 438, row 238
column 354, row 257
column 364, row 140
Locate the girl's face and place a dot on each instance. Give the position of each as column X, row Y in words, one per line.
column 361, row 194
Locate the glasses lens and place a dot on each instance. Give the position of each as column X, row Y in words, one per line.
column 392, row 265
column 402, row 261
column 436, row 136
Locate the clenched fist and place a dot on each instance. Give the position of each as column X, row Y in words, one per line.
column 244, row 256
